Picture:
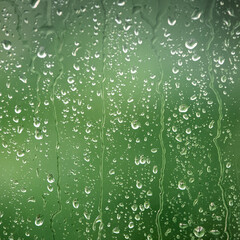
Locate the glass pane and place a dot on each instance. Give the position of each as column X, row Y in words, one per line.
column 119, row 119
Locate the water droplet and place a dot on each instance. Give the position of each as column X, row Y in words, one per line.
column 131, row 225
column 211, row 124
column 191, row 44
column 183, row 225
column 87, row 190
column 228, row 165
column 39, row 221
column 50, row 178
column 50, row 188
column 212, row 206
column 195, row 57
column 183, row 108
column 196, row 14
column 35, row 3
column 23, row 79
column 70, row 80
column 155, row 169
column 75, row 203
column 7, row 45
column 154, row 150
column 38, row 134
column 188, row 131
column 134, row 207
column 223, row 79
column 182, row 185
column 41, row 53
column 135, row 124
column 112, row 172
column 171, row 21
column 215, row 232
column 138, row 185
column 20, row 153
column 121, row 3
column 199, row 231
column 17, row 109
column 178, row 138
column 116, row 230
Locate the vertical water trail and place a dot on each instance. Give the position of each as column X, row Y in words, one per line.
column 33, row 70
column 103, row 119
column 219, row 101
column 60, row 41
column 18, row 15
column 100, row 207
column 162, row 7
column 49, row 13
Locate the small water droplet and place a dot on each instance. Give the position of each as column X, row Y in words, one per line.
column 215, row 232
column 154, row 150
column 75, row 203
column 112, row 172
column 155, row 169
column 38, row 134
column 171, row 21
column 121, row 3
column 188, row 131
column 183, row 225
column 23, row 79
column 228, row 165
column 35, row 3
column 87, row 190
column 138, row 185
column 17, row 109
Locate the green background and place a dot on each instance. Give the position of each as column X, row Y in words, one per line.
column 119, row 119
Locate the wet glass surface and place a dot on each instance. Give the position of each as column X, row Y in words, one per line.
column 119, row 119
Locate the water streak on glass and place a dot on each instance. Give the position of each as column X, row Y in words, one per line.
column 220, row 106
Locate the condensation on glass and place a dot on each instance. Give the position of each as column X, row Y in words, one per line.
column 119, row 119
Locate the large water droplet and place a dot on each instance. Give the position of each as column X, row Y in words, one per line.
column 41, row 53
column 191, row 44
column 50, row 178
column 183, row 108
column 182, row 185
column 199, row 231
column 39, row 221
column 212, row 206
column 135, row 124
column 7, row 45
column 116, row 230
